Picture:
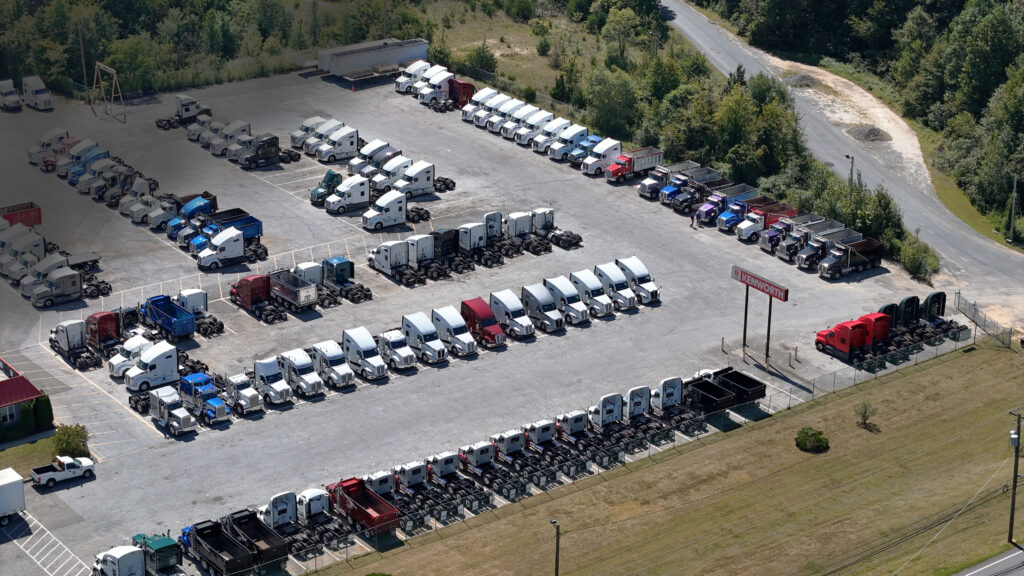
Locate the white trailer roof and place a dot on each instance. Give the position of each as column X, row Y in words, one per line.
column 418, row 167
column 634, row 265
column 330, row 348
column 610, row 270
column 297, row 356
column 373, row 145
column 540, row 293
column 525, row 112
column 562, row 285
column 557, row 124
column 509, row 106
column 395, row 163
column 483, row 95
column 588, row 278
column 390, row 197
column 605, row 145
column 573, row 131
column 236, row 126
column 508, row 299
column 417, row 67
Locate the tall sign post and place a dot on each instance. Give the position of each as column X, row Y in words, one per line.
column 774, row 292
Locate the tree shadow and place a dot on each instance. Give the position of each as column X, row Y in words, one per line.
column 870, row 427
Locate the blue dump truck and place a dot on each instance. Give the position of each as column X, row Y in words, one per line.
column 719, row 201
column 172, row 321
column 79, row 170
column 205, row 203
column 580, row 153
column 200, row 396
column 195, row 226
column 250, row 227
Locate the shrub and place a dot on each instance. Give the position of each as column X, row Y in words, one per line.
column 71, row 440
column 28, row 418
column 810, row 440
column 520, row 10
column 918, row 258
column 43, row 413
column 543, row 46
column 530, row 94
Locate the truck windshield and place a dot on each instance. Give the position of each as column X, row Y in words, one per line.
column 488, row 321
column 517, row 313
column 335, row 361
column 371, row 352
column 643, row 279
column 563, row 140
column 793, row 238
column 209, row 394
column 271, row 378
column 595, row 292
column 547, row 307
column 142, row 365
column 303, row 370
column 459, row 330
column 620, row 286
column 572, row 299
column 620, row 162
column 398, row 343
column 815, row 244
column 755, row 218
column 430, row 336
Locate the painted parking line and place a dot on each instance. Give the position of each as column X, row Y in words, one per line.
column 45, row 549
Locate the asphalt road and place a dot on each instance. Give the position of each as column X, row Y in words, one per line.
column 981, row 267
column 1008, row 563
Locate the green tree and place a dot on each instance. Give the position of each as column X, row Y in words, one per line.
column 439, row 53
column 71, row 440
column 735, row 118
column 619, row 27
column 864, row 411
column 578, row 9
column 612, row 102
column 27, row 418
column 482, row 57
column 136, row 60
column 991, row 48
column 543, row 46
column 43, row 413
column 530, row 94
column 912, row 41
column 663, row 77
column 520, row 10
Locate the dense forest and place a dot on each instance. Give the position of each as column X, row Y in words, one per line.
column 957, row 67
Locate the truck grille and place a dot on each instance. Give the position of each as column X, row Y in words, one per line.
column 499, row 340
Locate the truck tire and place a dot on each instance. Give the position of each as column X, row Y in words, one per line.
column 144, row 387
column 214, row 265
column 266, row 399
column 51, row 483
column 331, row 158
column 48, row 303
column 619, row 180
column 87, row 474
column 819, row 346
column 754, row 237
column 378, row 226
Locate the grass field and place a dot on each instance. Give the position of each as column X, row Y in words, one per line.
column 748, row 502
column 26, row 456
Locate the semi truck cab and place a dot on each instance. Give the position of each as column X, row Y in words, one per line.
column 567, row 300
column 614, row 283
column 329, row 362
column 298, row 371
column 362, row 355
column 592, row 293
column 509, row 312
column 452, row 330
column 395, row 350
column 422, row 337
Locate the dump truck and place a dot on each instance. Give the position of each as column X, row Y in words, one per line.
column 265, row 545
column 737, row 212
column 855, row 257
column 821, row 244
column 634, row 163
column 363, row 506
column 801, row 235
column 171, row 320
column 659, row 177
column 779, row 231
column 214, row 550
column 292, row 292
column 719, row 201
column 759, row 220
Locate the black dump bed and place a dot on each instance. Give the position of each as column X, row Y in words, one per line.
column 868, row 247
column 219, row 549
column 265, row 544
column 744, row 386
column 710, row 396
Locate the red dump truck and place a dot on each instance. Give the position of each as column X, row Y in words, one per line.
column 363, row 506
column 27, row 213
column 633, row 163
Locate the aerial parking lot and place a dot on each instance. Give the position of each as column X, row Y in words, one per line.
column 149, row 481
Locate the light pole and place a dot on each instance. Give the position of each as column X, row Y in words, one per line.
column 850, row 157
column 558, row 539
column 1015, row 442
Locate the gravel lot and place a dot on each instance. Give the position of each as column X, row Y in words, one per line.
column 150, row 483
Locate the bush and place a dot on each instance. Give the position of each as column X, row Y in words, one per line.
column 810, row 440
column 918, row 258
column 544, row 46
column 482, row 57
column 530, row 94
column 28, row 418
column 71, row 440
column 520, row 10
column 43, row 413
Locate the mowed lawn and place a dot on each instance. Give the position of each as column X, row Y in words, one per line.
column 748, row 502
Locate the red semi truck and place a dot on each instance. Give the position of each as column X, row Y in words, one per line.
column 481, row 323
column 845, row 340
column 26, row 213
column 363, row 506
column 633, row 163
column 252, row 294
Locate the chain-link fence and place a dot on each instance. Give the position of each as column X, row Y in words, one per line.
column 997, row 331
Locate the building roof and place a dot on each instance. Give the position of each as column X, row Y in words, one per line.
column 15, row 388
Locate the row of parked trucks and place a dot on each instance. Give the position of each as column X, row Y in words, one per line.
column 298, row 289
column 441, row 252
column 809, row 240
column 33, row 92
column 434, row 86
column 40, row 270
column 506, row 467
column 233, row 140
column 891, row 334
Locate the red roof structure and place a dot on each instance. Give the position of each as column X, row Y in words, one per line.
column 15, row 388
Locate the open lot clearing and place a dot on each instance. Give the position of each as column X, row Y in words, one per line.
column 749, row 502
column 159, row 484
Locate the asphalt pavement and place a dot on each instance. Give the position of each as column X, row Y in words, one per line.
column 982, row 268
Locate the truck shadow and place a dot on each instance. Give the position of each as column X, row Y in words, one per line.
column 187, row 345
column 62, row 486
column 361, row 84
column 410, row 371
column 854, row 277
column 79, row 304
column 314, row 399
column 308, row 315
column 269, row 168
column 183, row 438
column 751, row 412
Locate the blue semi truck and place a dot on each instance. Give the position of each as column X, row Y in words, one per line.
column 205, row 203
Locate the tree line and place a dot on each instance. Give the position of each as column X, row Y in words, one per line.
column 956, row 66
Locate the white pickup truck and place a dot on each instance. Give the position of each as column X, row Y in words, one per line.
column 63, row 468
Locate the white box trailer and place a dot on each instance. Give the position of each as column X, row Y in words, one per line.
column 369, row 59
column 12, row 495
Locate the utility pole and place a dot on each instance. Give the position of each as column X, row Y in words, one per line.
column 850, row 156
column 558, row 541
column 1012, row 232
column 1015, row 442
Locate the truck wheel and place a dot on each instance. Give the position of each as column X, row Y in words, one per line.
column 378, row 225
column 619, row 179
column 214, row 265
column 341, row 209
column 48, row 302
column 860, row 268
column 266, row 399
column 819, row 346
column 144, row 387
column 754, row 236
column 87, row 474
